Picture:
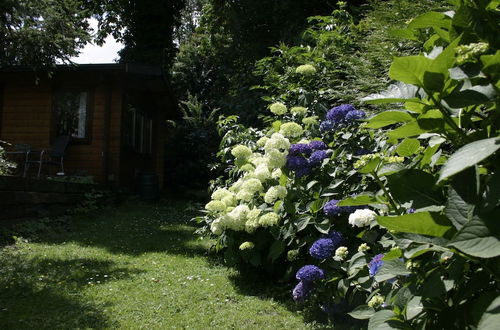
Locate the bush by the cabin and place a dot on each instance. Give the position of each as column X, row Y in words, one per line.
column 391, row 218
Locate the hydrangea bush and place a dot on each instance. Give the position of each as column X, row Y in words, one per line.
column 392, row 218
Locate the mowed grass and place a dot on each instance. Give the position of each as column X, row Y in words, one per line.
column 135, row 267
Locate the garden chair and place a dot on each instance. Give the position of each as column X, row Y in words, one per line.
column 52, row 156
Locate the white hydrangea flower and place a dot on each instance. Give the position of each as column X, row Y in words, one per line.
column 216, row 206
column 277, row 141
column 252, row 185
column 247, row 168
column 276, row 174
column 291, row 130
column 262, row 141
column 313, row 120
column 305, row 69
column 341, row 253
column 278, row 108
column 230, row 200
column 304, row 141
column 363, row 247
column 299, row 111
column 216, row 227
column 376, row 301
column 276, row 159
column 236, row 186
column 362, row 218
column 237, row 218
column 220, row 193
column 246, row 246
column 274, row 193
column 245, row 195
column 262, row 173
column 269, row 219
column 241, row 151
column 252, row 220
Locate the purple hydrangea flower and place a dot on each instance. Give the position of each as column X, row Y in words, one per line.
column 410, row 210
column 336, row 237
column 322, row 249
column 318, row 145
column 355, row 115
column 310, row 273
column 375, row 264
column 326, row 126
column 361, row 152
column 299, row 149
column 301, row 291
column 331, row 209
column 299, row 165
column 317, row 157
column 337, row 114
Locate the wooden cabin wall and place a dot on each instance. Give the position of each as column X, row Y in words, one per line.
column 27, row 117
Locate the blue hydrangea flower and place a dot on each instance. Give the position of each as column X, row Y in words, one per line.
column 375, row 264
column 299, row 165
column 318, row 145
column 326, row 126
column 310, row 273
column 337, row 114
column 299, row 149
column 355, row 115
column 336, row 237
column 331, row 209
column 301, row 291
column 410, row 210
column 317, row 157
column 322, row 249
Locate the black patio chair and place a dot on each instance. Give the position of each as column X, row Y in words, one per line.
column 52, row 156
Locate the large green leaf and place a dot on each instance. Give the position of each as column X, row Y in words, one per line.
column 387, row 118
column 457, row 210
column 359, row 200
column 462, row 197
column 423, row 223
column 407, row 130
column 379, row 320
column 408, row 147
column 414, row 186
column 362, row 312
column 410, row 69
column 430, row 19
column 469, row 155
column 491, row 318
column 478, row 94
column 399, row 92
column 276, row 250
column 480, row 237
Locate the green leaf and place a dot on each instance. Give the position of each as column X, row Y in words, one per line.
column 387, row 118
column 414, row 186
column 433, row 286
column 302, row 222
column 469, row 155
column 359, row 200
column 379, row 320
column 362, row 312
column 407, row 130
column 423, row 223
column 491, row 318
column 276, row 125
column 408, row 147
column 394, row 253
column 480, row 237
column 370, row 166
column 462, row 197
column 478, row 94
column 430, row 19
column 414, row 307
column 457, row 210
column 410, row 69
column 389, row 169
column 491, row 193
column 391, row 269
column 276, row 250
column 395, row 93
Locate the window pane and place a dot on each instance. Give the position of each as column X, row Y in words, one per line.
column 71, row 113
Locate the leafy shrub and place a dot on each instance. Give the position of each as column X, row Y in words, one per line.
column 393, row 221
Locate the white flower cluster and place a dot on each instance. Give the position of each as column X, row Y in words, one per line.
column 362, row 218
column 341, row 253
column 234, row 207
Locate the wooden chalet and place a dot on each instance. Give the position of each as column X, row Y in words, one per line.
column 114, row 114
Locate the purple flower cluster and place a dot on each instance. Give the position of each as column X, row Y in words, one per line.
column 297, row 161
column 306, row 275
column 342, row 114
column 331, row 208
column 375, row 264
column 325, row 247
column 301, row 291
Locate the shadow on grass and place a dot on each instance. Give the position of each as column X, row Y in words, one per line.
column 133, row 228
column 47, row 293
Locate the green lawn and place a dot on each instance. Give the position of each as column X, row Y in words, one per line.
column 135, row 267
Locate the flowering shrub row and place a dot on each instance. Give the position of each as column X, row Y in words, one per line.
column 392, row 219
